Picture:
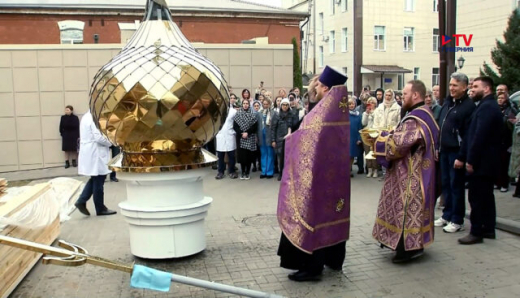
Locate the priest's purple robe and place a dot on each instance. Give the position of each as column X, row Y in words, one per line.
column 314, row 198
column 406, row 206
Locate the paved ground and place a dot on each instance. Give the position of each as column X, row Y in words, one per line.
column 507, row 206
column 243, row 235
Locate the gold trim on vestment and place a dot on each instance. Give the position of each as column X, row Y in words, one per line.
column 332, row 223
column 395, row 229
column 324, row 124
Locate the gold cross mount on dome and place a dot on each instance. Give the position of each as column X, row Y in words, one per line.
column 343, row 104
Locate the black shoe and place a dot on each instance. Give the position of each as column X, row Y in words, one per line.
column 335, row 267
column 262, row 176
column 114, row 179
column 407, row 256
column 214, row 167
column 233, row 176
column 470, row 239
column 269, row 176
column 74, row 163
column 360, row 172
column 302, row 275
column 67, row 164
column 82, row 208
column 219, row 176
column 516, row 196
column 279, row 178
column 490, row 235
column 351, row 175
column 106, row 212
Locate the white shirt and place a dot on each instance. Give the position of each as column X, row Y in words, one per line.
column 93, row 150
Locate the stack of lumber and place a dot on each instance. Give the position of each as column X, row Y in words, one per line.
column 3, row 187
column 16, row 263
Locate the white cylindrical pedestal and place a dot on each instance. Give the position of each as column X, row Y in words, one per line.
column 166, row 213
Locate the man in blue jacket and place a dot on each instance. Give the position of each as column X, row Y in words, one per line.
column 454, row 121
column 482, row 152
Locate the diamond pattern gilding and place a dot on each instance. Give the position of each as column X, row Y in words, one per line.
column 160, row 100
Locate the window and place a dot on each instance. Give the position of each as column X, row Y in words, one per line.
column 379, row 38
column 320, row 23
column 435, row 39
column 345, row 70
column 71, row 32
column 332, row 41
column 321, row 57
column 409, row 5
column 344, row 5
column 416, row 73
column 400, row 81
column 332, row 6
column 408, row 39
column 344, row 40
column 435, row 5
column 518, row 4
column 435, row 76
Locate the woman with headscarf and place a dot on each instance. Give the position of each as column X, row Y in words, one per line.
column 387, row 114
column 280, row 127
column 245, row 126
column 368, row 122
column 355, row 137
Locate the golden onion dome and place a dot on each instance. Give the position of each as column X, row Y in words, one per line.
column 159, row 99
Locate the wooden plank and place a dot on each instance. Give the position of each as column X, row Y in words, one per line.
column 20, row 262
column 38, row 236
column 20, row 267
column 17, row 203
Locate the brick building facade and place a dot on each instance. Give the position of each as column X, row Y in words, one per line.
column 228, row 21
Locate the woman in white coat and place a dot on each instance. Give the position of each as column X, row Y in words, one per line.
column 93, row 161
column 388, row 113
column 227, row 142
column 387, row 116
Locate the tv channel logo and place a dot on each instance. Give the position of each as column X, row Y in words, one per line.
column 447, row 43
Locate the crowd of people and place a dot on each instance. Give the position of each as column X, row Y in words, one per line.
column 255, row 130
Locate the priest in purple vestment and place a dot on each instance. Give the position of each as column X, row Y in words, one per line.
column 314, row 199
column 404, row 221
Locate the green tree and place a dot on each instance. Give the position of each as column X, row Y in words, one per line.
column 506, row 56
column 297, row 71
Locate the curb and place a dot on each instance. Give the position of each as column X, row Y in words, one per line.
column 504, row 224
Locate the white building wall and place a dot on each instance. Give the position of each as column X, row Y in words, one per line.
column 486, row 20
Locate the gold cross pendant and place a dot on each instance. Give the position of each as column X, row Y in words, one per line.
column 343, row 104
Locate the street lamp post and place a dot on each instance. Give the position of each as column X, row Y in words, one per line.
column 460, row 63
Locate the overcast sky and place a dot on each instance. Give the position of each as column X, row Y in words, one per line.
column 269, row 2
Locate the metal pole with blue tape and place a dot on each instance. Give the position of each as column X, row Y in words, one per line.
column 142, row 277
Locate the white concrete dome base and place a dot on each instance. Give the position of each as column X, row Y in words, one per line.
column 166, row 213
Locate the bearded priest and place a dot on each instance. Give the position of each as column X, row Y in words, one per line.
column 404, row 221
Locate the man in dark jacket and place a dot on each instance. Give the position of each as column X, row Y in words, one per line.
column 454, row 121
column 482, row 149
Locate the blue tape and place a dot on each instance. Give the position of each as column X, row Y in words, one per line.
column 147, row 278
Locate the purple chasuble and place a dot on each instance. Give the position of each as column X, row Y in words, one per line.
column 406, row 206
column 314, row 199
